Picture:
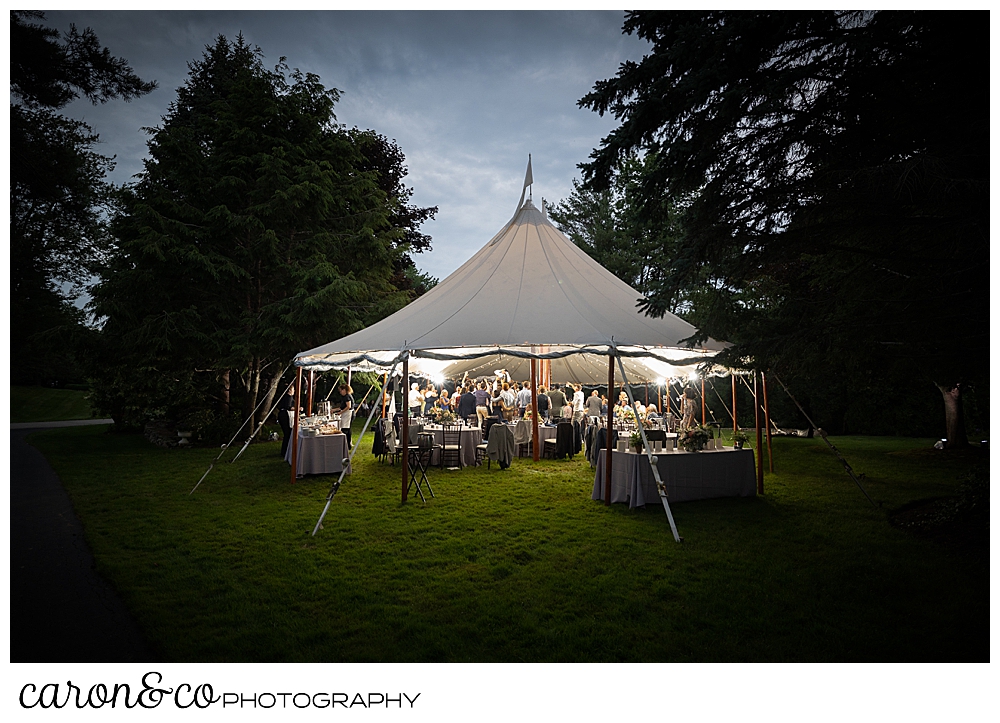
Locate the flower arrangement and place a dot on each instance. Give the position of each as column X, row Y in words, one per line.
column 441, row 415
column 740, row 438
column 625, row 414
column 635, row 441
column 695, row 438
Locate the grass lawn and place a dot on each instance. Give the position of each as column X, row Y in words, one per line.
column 41, row 404
column 522, row 565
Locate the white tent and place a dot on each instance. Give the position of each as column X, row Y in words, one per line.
column 529, row 292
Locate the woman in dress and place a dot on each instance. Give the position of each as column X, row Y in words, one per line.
column 688, row 408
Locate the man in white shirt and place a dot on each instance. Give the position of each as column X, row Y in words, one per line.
column 577, row 403
column 415, row 400
column 523, row 398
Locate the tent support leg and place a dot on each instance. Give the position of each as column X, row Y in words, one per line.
column 735, row 425
column 703, row 401
column 760, row 452
column 767, row 422
column 610, row 429
column 295, row 426
column 347, row 461
column 649, row 455
column 405, row 432
column 534, row 410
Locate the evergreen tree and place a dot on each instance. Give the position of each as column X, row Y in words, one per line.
column 257, row 229
column 834, row 172
column 58, row 188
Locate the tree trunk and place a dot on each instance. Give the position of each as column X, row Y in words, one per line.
column 224, row 402
column 954, row 416
column 254, row 390
column 272, row 388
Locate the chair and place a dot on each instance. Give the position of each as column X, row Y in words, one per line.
column 452, row 444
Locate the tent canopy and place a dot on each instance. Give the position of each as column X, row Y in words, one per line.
column 528, row 293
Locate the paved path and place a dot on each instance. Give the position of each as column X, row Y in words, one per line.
column 61, row 610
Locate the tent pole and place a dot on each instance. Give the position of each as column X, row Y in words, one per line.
column 647, row 394
column 385, row 388
column 610, row 429
column 309, row 404
column 295, row 425
column 349, row 376
column 405, row 432
column 767, row 422
column 703, row 401
column 347, row 460
column 736, row 426
column 653, row 466
column 659, row 399
column 760, row 456
column 534, row 410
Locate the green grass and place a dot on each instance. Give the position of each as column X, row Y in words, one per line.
column 41, row 404
column 522, row 565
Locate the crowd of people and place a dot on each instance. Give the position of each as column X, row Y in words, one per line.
column 476, row 400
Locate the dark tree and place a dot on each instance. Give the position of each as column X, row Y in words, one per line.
column 58, row 187
column 834, row 172
column 257, row 229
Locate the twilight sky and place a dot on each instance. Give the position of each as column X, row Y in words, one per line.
column 467, row 95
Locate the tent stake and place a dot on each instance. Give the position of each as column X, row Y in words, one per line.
column 295, row 427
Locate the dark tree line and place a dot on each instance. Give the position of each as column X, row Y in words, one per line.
column 259, row 227
column 830, row 174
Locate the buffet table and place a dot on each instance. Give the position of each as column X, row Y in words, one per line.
column 686, row 476
column 320, row 455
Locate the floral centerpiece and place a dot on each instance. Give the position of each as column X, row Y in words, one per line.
column 695, row 438
column 625, row 414
column 740, row 438
column 635, row 441
column 441, row 415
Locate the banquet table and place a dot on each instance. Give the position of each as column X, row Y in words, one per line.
column 686, row 475
column 522, row 435
column 320, row 455
column 471, row 437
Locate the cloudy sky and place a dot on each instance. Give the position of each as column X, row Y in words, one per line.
column 467, row 95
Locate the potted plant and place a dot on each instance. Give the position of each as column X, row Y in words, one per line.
column 635, row 442
column 740, row 438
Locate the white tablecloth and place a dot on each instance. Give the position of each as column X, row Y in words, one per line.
column 522, row 435
column 686, row 475
column 471, row 437
column 320, row 455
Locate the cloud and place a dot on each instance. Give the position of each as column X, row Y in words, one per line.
column 467, row 95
